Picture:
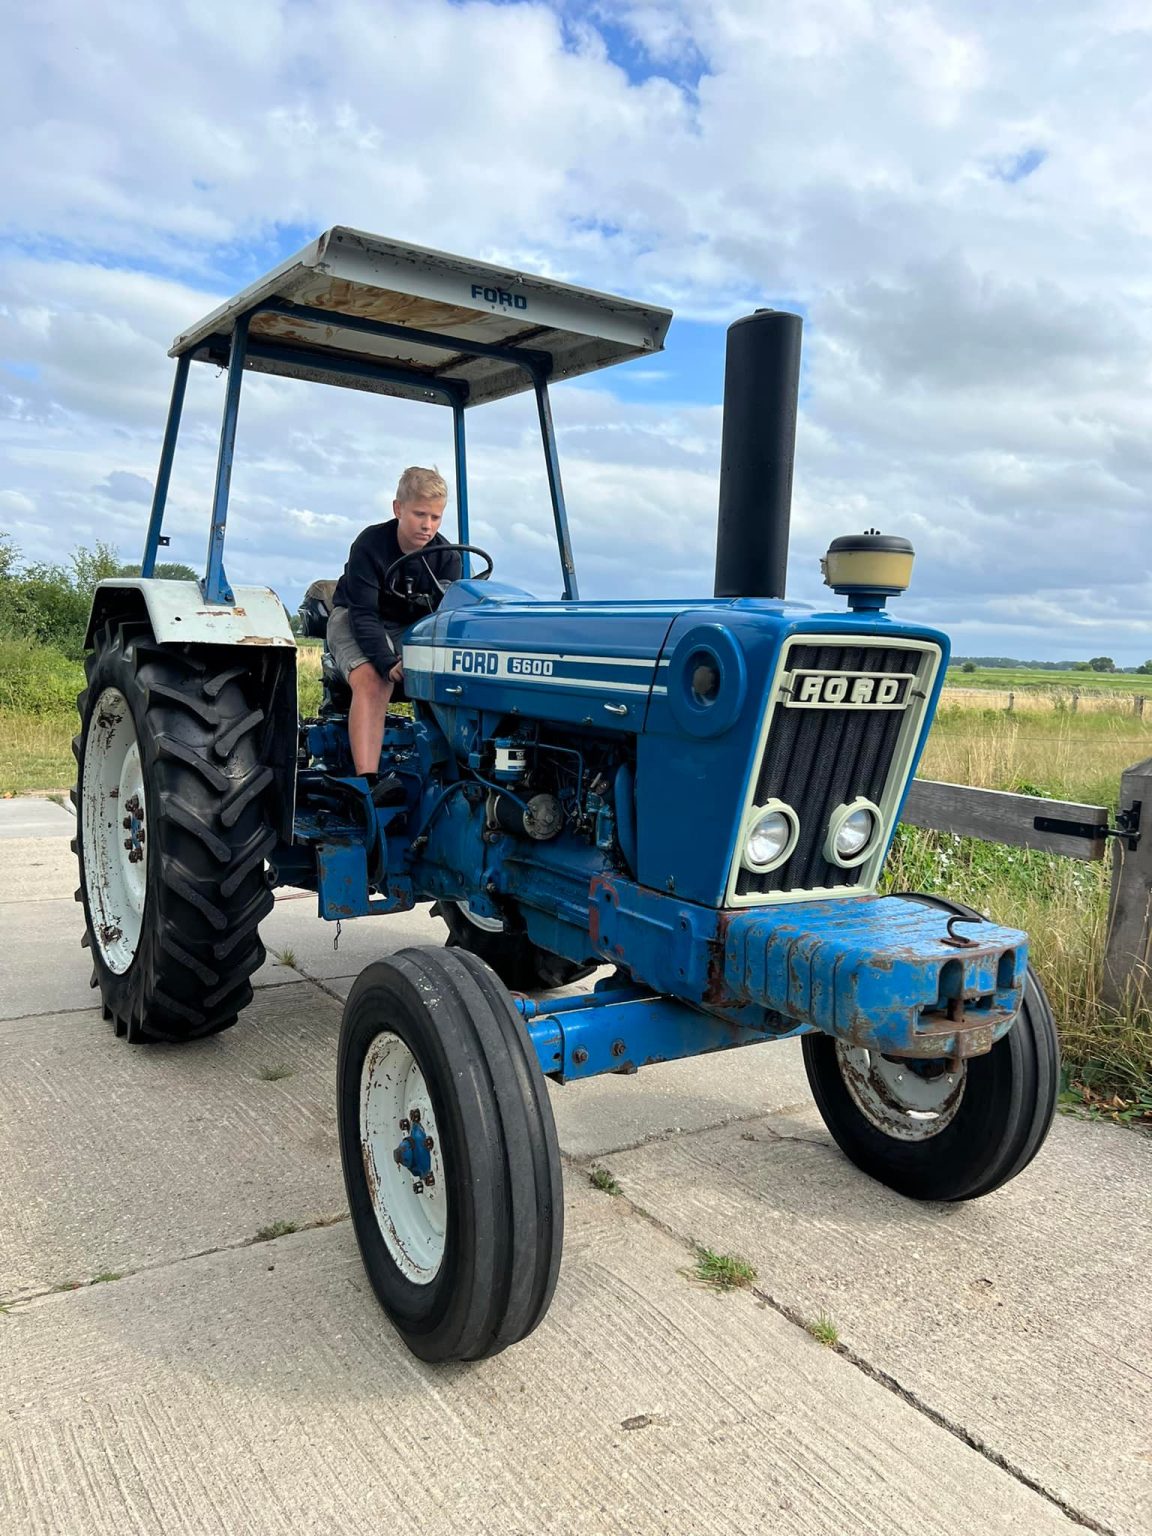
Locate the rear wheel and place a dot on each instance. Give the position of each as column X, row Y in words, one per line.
column 174, row 823
column 450, row 1157
column 521, row 965
column 932, row 1130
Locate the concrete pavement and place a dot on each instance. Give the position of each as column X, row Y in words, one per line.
column 994, row 1371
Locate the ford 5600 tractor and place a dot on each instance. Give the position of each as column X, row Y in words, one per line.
column 698, row 793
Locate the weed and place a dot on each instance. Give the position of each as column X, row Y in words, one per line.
column 274, row 1074
column 823, row 1330
column 600, row 1178
column 67, row 1285
column 722, row 1271
column 286, row 956
column 275, row 1229
column 105, row 1276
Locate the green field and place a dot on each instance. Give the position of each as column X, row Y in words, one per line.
column 1062, row 682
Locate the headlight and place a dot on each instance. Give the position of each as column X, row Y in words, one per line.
column 852, row 833
column 771, row 836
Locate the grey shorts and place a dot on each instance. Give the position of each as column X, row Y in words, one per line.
column 343, row 644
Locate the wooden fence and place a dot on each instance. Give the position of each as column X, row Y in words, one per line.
column 1079, row 832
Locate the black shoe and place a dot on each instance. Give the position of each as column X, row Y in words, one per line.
column 386, row 790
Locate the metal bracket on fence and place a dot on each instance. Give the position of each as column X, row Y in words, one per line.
column 1127, row 827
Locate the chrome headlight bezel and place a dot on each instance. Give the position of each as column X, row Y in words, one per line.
column 759, row 814
column 836, row 821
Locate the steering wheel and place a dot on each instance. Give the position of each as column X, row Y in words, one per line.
column 415, row 554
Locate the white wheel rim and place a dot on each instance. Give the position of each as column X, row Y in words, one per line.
column 412, row 1220
column 111, row 793
column 910, row 1101
column 485, row 924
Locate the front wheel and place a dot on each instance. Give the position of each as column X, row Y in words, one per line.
column 450, row 1158
column 937, row 1132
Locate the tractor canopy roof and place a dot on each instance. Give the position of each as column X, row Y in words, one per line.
column 371, row 313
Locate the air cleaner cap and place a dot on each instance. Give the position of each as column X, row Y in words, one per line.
column 870, row 563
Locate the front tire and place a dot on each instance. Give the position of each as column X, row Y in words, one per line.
column 174, row 822
column 521, row 965
column 461, row 1242
column 934, row 1133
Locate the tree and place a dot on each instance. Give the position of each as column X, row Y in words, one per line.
column 1145, row 667
column 1102, row 664
column 165, row 570
column 969, row 666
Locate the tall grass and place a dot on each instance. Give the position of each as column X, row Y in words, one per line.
column 1062, row 903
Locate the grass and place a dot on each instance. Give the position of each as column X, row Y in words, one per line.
column 286, row 956
column 721, row 1271
column 823, row 1330
column 105, row 1276
column 1061, row 903
column 275, row 1229
column 601, row 1179
column 1042, row 679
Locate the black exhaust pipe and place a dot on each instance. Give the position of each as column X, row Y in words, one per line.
column 761, row 386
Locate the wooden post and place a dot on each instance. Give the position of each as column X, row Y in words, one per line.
column 1128, row 957
column 1075, row 699
column 1138, row 703
column 1011, row 702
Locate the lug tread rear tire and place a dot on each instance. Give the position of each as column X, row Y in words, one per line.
column 209, row 823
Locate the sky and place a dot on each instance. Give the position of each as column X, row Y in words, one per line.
column 957, row 198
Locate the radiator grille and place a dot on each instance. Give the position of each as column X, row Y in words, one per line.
column 817, row 759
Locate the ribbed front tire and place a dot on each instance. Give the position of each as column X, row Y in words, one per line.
column 174, row 823
column 463, row 1247
column 938, row 1130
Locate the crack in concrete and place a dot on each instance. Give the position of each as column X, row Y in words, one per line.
column 22, row 1300
column 873, row 1372
column 655, row 1138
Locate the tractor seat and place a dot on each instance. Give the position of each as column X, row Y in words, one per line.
column 316, row 609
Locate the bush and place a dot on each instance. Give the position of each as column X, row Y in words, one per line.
column 51, row 603
column 35, row 680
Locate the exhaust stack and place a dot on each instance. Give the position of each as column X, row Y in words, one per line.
column 761, row 386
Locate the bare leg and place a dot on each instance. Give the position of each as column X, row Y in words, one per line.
column 368, row 715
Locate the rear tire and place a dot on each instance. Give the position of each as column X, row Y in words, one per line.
column 933, row 1135
column 521, row 965
column 464, row 1262
column 174, row 818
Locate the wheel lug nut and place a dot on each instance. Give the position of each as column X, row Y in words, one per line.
column 415, row 1116
column 417, row 1188
column 128, row 844
column 429, row 1179
column 404, row 1125
column 127, row 823
column 429, row 1143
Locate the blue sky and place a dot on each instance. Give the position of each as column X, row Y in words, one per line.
column 956, row 197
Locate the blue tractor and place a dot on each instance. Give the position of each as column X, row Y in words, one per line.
column 699, row 794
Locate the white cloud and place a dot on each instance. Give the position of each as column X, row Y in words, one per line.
column 959, row 198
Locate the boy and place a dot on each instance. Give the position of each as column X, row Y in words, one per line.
column 369, row 618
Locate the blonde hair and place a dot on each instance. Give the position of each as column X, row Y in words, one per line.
column 416, row 484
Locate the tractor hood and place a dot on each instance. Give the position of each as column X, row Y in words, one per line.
column 494, row 647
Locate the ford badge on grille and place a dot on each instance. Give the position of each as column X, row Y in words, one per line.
column 847, row 690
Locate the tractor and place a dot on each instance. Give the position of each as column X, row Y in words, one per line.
column 693, row 797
